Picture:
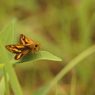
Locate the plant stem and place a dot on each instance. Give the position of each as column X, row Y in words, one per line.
column 11, row 73
column 74, row 62
column 6, row 82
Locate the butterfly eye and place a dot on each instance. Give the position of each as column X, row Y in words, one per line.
column 36, row 45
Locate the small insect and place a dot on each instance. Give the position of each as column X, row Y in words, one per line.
column 26, row 46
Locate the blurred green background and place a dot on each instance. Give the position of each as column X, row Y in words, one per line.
column 64, row 28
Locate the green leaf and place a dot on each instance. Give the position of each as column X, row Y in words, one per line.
column 7, row 37
column 6, row 77
column 5, row 58
column 43, row 91
column 1, row 66
column 7, row 34
column 42, row 55
column 49, row 56
column 2, row 86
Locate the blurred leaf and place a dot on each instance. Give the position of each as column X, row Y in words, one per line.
column 7, row 36
column 73, row 85
column 2, row 86
column 1, row 66
column 42, row 55
column 6, row 78
column 43, row 91
column 56, row 90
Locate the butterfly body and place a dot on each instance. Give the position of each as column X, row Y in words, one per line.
column 26, row 46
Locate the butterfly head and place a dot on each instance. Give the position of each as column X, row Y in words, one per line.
column 36, row 47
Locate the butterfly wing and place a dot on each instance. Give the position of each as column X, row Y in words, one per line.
column 25, row 40
column 18, row 56
column 17, row 49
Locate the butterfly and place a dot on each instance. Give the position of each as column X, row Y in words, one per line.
column 26, row 46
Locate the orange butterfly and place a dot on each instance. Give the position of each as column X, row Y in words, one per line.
column 26, row 45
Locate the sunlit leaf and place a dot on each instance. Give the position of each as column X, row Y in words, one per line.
column 42, row 55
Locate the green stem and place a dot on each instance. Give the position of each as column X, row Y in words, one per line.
column 73, row 63
column 11, row 73
column 73, row 85
column 6, row 82
column 84, row 33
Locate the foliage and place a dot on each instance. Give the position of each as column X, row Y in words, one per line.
column 66, row 29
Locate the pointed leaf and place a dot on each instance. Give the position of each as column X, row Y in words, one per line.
column 7, row 34
column 7, row 37
column 42, row 55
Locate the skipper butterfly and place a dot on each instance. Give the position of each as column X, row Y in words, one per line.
column 26, row 46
